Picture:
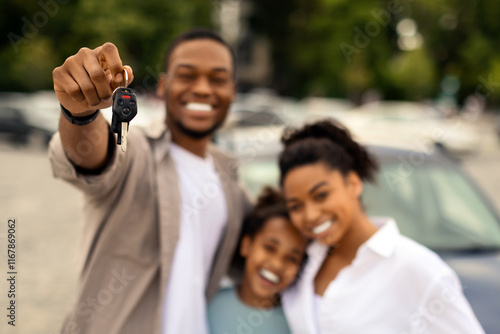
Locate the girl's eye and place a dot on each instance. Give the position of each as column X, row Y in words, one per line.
column 294, row 207
column 292, row 259
column 269, row 248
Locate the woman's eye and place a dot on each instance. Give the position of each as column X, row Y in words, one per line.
column 321, row 196
column 293, row 207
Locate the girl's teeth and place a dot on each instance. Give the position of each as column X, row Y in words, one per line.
column 198, row 106
column 269, row 276
column 322, row 228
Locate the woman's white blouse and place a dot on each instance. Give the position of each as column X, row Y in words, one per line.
column 394, row 285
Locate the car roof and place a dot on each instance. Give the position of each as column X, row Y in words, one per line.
column 437, row 155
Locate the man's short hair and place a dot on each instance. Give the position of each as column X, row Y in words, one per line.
column 194, row 34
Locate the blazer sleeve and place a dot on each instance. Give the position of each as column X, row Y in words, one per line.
column 95, row 185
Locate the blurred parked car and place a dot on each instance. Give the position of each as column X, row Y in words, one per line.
column 434, row 203
column 497, row 128
column 252, row 132
column 416, row 125
column 17, row 128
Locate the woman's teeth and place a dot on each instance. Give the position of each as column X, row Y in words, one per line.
column 322, row 228
column 269, row 276
column 198, row 106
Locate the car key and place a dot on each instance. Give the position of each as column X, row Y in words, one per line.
column 124, row 110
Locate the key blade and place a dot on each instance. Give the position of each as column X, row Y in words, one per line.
column 124, row 136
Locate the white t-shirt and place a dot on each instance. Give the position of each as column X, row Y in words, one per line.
column 203, row 218
column 393, row 286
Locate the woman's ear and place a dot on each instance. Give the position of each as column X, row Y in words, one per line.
column 355, row 184
column 160, row 87
column 245, row 246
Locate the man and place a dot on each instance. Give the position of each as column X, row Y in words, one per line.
column 161, row 219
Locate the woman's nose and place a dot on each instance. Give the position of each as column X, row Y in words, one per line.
column 311, row 214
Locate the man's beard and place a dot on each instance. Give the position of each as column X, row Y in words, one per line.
column 197, row 134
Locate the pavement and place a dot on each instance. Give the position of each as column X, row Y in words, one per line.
column 47, row 214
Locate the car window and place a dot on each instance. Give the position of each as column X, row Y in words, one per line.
column 435, row 206
column 258, row 174
column 461, row 207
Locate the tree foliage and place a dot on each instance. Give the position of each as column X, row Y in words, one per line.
column 39, row 36
column 336, row 48
column 342, row 48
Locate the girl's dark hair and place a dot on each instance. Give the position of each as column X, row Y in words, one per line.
column 270, row 204
column 329, row 142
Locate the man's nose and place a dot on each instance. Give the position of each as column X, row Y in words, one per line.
column 202, row 87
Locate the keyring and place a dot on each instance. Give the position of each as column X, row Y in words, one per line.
column 126, row 77
column 126, row 84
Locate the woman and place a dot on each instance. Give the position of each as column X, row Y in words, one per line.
column 362, row 276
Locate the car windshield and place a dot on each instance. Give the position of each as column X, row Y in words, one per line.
column 434, row 205
column 258, row 174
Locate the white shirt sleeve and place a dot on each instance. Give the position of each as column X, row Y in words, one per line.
column 444, row 309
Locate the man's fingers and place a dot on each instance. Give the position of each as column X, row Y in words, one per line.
column 115, row 84
column 97, row 77
column 88, row 88
column 108, row 54
column 64, row 82
column 86, row 80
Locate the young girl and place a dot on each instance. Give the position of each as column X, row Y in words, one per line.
column 271, row 252
column 362, row 276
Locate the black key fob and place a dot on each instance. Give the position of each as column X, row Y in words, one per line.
column 124, row 107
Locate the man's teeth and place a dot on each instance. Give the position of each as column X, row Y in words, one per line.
column 322, row 228
column 198, row 106
column 269, row 276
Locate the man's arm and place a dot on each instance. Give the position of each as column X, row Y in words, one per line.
column 84, row 84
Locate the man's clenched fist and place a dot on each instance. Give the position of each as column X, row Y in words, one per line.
column 86, row 80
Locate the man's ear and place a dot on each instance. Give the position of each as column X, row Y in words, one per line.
column 355, row 184
column 245, row 246
column 160, row 88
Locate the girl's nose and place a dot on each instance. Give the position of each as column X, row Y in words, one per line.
column 276, row 264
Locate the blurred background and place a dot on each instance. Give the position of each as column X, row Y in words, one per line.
column 418, row 81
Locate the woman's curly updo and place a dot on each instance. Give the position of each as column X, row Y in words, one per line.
column 329, row 142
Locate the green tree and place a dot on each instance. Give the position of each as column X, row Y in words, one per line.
column 141, row 30
column 342, row 48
